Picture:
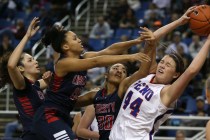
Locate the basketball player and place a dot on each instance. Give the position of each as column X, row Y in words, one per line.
column 107, row 101
column 88, row 126
column 69, row 78
column 22, row 71
column 149, row 101
column 207, row 87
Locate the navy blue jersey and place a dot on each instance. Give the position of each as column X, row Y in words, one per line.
column 64, row 91
column 106, row 110
column 27, row 101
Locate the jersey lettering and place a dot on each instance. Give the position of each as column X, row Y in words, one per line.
column 79, row 80
column 144, row 90
column 105, row 122
column 105, row 108
column 134, row 106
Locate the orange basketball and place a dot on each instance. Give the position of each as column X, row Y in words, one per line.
column 200, row 20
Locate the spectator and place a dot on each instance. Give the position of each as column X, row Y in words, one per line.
column 162, row 4
column 153, row 12
column 123, row 7
column 95, row 75
column 20, row 30
column 180, row 135
column 5, row 45
column 128, row 20
column 187, row 58
column 101, row 29
column 200, row 103
column 11, row 128
column 134, row 4
column 113, row 18
column 176, row 42
column 195, row 46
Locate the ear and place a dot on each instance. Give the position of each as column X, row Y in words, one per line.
column 65, row 47
column 176, row 75
column 21, row 68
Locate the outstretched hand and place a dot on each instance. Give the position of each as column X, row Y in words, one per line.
column 33, row 28
column 140, row 57
column 185, row 17
column 146, row 34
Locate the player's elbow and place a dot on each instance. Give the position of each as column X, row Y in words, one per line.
column 192, row 71
column 11, row 66
column 79, row 132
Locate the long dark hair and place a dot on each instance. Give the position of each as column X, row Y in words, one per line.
column 55, row 37
column 4, row 75
column 179, row 63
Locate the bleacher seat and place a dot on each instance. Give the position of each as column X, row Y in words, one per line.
column 20, row 15
column 190, row 104
column 139, row 14
column 4, row 23
column 135, row 33
column 111, row 41
column 97, row 44
column 145, row 5
column 187, row 41
column 121, row 31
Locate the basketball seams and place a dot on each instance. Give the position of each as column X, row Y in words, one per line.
column 204, row 15
column 201, row 31
column 203, row 26
column 200, row 21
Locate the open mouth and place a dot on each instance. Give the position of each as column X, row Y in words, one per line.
column 160, row 71
column 118, row 75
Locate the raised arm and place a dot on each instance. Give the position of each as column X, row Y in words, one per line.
column 144, row 68
column 171, row 93
column 15, row 74
column 85, row 122
column 171, row 26
column 72, row 64
column 114, row 49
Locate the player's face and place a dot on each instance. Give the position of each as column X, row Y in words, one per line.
column 30, row 65
column 166, row 70
column 74, row 44
column 117, row 73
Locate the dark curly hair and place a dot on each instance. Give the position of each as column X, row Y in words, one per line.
column 56, row 37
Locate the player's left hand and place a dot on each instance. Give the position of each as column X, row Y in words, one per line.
column 47, row 76
column 185, row 17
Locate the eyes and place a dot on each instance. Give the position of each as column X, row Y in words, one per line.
column 166, row 63
column 30, row 59
column 123, row 71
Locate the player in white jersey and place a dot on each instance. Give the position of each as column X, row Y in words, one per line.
column 149, row 101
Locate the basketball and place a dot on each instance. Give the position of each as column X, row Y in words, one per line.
column 200, row 20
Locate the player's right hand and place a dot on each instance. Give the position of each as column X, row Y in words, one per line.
column 140, row 57
column 32, row 28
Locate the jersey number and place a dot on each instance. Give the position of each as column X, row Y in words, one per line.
column 105, row 122
column 134, row 106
